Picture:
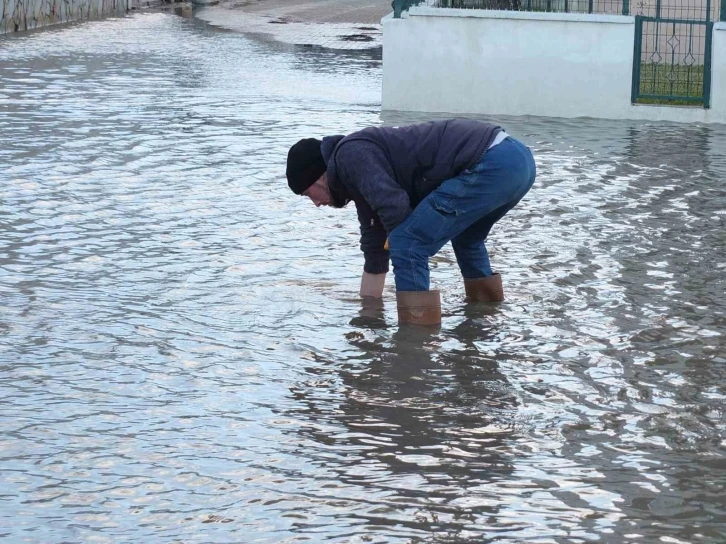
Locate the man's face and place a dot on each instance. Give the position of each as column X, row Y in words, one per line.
column 319, row 192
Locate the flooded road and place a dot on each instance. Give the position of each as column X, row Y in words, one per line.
column 183, row 357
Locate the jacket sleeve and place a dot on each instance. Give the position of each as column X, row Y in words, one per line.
column 364, row 168
column 372, row 238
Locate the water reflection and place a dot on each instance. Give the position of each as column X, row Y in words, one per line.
column 425, row 421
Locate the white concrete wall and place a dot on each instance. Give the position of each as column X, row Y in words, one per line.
column 517, row 63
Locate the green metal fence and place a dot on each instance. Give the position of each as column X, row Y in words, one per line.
column 559, row 6
column 615, row 7
column 672, row 55
column 717, row 8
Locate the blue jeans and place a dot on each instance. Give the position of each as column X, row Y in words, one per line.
column 463, row 210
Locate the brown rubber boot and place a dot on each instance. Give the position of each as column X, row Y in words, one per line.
column 419, row 307
column 487, row 289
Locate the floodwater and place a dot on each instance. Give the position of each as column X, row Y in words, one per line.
column 183, row 357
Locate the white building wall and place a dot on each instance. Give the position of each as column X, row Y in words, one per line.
column 517, row 63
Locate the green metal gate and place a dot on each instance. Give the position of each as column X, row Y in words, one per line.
column 672, row 56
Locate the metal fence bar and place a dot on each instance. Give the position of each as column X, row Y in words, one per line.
column 397, row 8
column 694, row 99
column 674, row 21
column 656, row 46
column 690, row 52
column 707, row 67
column 590, row 6
column 626, row 7
column 637, row 53
column 673, row 75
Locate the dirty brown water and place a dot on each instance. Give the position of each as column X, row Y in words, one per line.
column 184, row 358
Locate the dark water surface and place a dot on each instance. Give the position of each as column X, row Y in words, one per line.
column 183, row 357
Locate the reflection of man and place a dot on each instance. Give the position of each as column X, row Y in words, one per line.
column 408, row 429
column 415, row 189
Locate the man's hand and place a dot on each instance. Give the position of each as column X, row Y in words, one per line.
column 371, row 285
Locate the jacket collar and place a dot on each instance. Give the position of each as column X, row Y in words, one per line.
column 328, row 147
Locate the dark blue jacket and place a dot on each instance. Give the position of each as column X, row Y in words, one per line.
column 387, row 171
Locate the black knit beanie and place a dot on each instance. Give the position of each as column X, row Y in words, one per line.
column 305, row 165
